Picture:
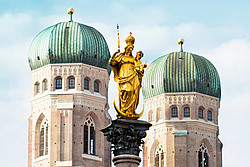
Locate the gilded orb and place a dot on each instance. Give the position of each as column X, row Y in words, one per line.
column 181, row 41
column 70, row 11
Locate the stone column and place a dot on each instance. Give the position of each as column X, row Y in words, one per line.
column 126, row 138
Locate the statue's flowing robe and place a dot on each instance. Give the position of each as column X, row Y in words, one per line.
column 128, row 81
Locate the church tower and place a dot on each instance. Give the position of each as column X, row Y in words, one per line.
column 70, row 76
column 182, row 98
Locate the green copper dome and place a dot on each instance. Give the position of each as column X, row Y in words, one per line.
column 181, row 72
column 69, row 42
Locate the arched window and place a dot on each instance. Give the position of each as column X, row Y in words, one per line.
column 71, row 81
column 96, row 86
column 45, row 84
column 86, row 84
column 152, row 117
column 58, row 83
column 200, row 113
column 209, row 115
column 89, row 136
column 159, row 156
column 186, row 112
column 37, row 87
column 43, row 146
column 203, row 156
column 174, row 112
column 160, row 114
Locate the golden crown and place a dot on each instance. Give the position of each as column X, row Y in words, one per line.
column 130, row 40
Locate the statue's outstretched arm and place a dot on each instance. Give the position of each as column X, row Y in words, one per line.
column 118, row 51
column 114, row 59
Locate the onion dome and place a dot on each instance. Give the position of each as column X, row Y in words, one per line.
column 69, row 42
column 181, row 72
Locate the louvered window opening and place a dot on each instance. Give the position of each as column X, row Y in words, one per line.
column 89, row 136
column 162, row 159
column 85, row 139
column 92, row 140
column 159, row 156
column 203, row 156
column 42, row 142
column 47, row 141
column 157, row 160
column 44, row 139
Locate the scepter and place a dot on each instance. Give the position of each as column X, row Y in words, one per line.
column 118, row 36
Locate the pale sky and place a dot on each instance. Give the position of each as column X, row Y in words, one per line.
column 217, row 30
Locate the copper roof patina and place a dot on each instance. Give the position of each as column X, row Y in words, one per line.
column 181, row 72
column 69, row 42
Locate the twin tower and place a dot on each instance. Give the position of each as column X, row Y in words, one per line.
column 70, row 77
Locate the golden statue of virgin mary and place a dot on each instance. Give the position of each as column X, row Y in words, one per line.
column 128, row 72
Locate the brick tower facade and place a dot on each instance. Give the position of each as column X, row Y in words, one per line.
column 182, row 99
column 69, row 107
column 183, row 132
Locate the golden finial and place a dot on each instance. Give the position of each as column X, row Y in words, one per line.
column 181, row 42
column 71, row 12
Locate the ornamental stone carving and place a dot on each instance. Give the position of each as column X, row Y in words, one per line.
column 126, row 135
